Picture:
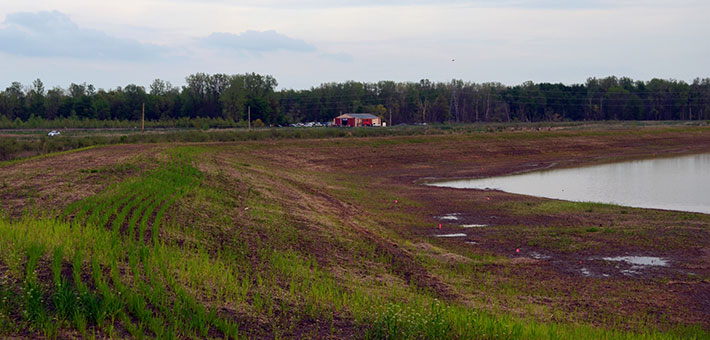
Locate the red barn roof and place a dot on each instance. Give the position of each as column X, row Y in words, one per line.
column 358, row 115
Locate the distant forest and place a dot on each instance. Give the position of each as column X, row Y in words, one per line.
column 227, row 98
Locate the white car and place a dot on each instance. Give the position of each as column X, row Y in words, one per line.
column 53, row 133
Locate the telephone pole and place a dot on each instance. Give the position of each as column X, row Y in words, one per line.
column 143, row 119
column 249, row 117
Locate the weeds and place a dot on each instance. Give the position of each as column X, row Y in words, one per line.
column 173, row 254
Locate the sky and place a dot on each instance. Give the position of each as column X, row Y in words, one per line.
column 304, row 43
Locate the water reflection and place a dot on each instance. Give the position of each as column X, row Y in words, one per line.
column 678, row 183
column 451, row 235
column 639, row 260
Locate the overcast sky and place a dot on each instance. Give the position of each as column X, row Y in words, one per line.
column 306, row 43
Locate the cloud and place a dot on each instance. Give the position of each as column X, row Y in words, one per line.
column 527, row 4
column 256, row 41
column 340, row 57
column 53, row 34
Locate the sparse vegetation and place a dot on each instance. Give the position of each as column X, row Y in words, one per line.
column 287, row 239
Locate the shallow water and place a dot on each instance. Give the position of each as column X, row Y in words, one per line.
column 449, row 217
column 473, row 225
column 639, row 260
column 451, row 235
column 538, row 256
column 678, row 183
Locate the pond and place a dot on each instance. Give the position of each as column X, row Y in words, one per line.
column 677, row 183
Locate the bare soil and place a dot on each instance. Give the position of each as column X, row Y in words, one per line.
column 547, row 257
column 50, row 183
column 547, row 250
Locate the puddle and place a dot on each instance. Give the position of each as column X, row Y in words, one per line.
column 630, row 272
column 675, row 183
column 473, row 225
column 639, row 260
column 636, row 263
column 538, row 256
column 471, row 242
column 449, row 217
column 451, row 235
column 586, row 272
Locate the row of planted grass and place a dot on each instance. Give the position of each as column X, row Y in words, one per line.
column 115, row 281
column 89, row 301
column 404, row 311
column 95, row 305
column 473, row 276
column 96, row 270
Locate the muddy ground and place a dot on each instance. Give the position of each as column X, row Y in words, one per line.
column 550, row 247
column 530, row 251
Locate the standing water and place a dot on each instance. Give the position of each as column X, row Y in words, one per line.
column 678, row 183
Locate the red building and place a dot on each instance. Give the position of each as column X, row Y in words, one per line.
column 357, row 119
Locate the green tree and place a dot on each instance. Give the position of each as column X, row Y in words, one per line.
column 13, row 102
column 53, row 102
column 36, row 98
column 260, row 97
column 233, row 99
column 134, row 98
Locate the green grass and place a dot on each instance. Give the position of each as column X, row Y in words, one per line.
column 437, row 320
column 43, row 154
column 12, row 148
column 558, row 206
column 95, row 246
column 175, row 253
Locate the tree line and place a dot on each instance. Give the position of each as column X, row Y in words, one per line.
column 229, row 98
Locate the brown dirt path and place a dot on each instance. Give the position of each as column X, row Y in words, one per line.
column 50, row 183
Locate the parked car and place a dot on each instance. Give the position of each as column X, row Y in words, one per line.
column 53, row 133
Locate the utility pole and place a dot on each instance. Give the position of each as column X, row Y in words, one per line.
column 143, row 119
column 249, row 117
